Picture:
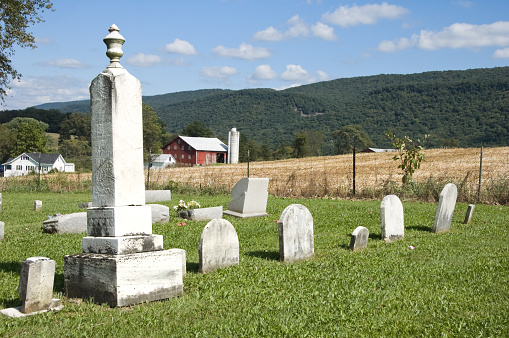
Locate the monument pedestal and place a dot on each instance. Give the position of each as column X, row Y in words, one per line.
column 122, row 280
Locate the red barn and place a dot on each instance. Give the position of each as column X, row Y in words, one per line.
column 196, row 150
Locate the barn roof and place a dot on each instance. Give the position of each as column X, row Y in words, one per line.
column 205, row 143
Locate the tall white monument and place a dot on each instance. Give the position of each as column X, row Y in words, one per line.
column 233, row 146
column 122, row 262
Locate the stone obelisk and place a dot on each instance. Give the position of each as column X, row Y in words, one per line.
column 122, row 262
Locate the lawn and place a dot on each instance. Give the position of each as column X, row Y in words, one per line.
column 452, row 284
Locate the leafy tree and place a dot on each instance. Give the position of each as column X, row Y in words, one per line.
column 300, row 144
column 315, row 139
column 348, row 137
column 153, row 132
column 7, row 142
column 77, row 151
column 283, row 152
column 266, row 152
column 246, row 145
column 15, row 17
column 197, row 129
column 409, row 154
column 76, row 125
column 30, row 135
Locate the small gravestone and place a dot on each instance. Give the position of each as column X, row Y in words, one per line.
column 296, row 241
column 392, row 219
column 160, row 213
column 2, row 229
column 359, row 239
column 152, row 196
column 36, row 284
column 445, row 209
column 249, row 198
column 66, row 224
column 219, row 246
column 202, row 214
column 469, row 213
column 37, row 205
column 85, row 205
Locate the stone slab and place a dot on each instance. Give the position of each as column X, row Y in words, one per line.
column 469, row 214
column 241, row 215
column 359, row 239
column 152, row 196
column 249, row 196
column 36, row 284
column 15, row 312
column 122, row 245
column 296, row 241
column 202, row 214
column 37, row 205
column 85, row 205
column 445, row 209
column 2, row 230
column 160, row 213
column 119, row 221
column 123, row 280
column 392, row 218
column 219, row 246
column 68, row 224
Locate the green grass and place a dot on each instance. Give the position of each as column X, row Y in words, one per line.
column 452, row 284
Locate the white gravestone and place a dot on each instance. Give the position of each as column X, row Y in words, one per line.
column 36, row 284
column 219, row 246
column 233, row 146
column 469, row 214
column 134, row 268
column 392, row 219
column 445, row 209
column 2, row 230
column 37, row 205
column 249, row 198
column 296, row 241
column 359, row 238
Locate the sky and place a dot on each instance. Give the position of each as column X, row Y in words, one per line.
column 174, row 46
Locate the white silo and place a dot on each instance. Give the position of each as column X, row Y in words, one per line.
column 233, row 146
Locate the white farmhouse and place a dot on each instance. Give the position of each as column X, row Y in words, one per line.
column 31, row 162
column 161, row 161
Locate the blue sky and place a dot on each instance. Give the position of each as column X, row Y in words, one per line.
column 174, row 46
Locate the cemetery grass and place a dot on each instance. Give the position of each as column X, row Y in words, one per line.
column 451, row 284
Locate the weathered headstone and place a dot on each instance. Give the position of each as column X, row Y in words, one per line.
column 359, row 238
column 135, row 269
column 202, row 214
column 219, row 246
column 392, row 219
column 153, row 196
column 37, row 205
column 66, row 224
column 233, row 146
column 2, row 230
column 36, row 284
column 296, row 241
column 469, row 214
column 160, row 213
column 445, row 209
column 249, row 198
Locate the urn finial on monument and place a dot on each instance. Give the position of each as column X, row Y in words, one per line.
column 114, row 42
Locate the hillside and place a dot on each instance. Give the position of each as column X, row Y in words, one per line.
column 466, row 108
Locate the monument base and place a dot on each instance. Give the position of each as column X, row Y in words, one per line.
column 122, row 280
column 241, row 215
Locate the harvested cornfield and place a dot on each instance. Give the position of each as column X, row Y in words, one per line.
column 332, row 176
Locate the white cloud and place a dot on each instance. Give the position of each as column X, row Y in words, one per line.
column 295, row 73
column 245, row 51
column 64, row 63
column 218, row 72
column 181, row 47
column 269, row 34
column 297, row 27
column 264, row 72
column 323, row 31
column 144, row 60
column 458, row 35
column 465, row 4
column 368, row 14
column 501, row 53
column 43, row 41
column 322, row 76
column 30, row 92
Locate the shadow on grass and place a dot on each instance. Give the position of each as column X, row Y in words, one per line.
column 268, row 255
column 375, row 236
column 419, row 227
column 58, row 283
column 10, row 266
column 192, row 267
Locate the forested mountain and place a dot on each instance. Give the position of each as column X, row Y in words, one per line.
column 467, row 108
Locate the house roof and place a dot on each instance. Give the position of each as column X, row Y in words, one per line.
column 43, row 159
column 378, row 150
column 163, row 158
column 205, row 143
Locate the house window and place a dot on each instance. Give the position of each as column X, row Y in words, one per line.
column 182, row 156
column 25, row 158
column 182, row 147
column 175, row 147
column 8, row 167
column 189, row 148
column 169, row 147
column 178, row 141
column 189, row 157
column 19, row 167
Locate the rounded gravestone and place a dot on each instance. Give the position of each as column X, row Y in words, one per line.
column 296, row 240
column 445, row 209
column 359, row 239
column 219, row 246
column 392, row 219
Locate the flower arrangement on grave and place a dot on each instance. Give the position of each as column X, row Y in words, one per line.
column 183, row 206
